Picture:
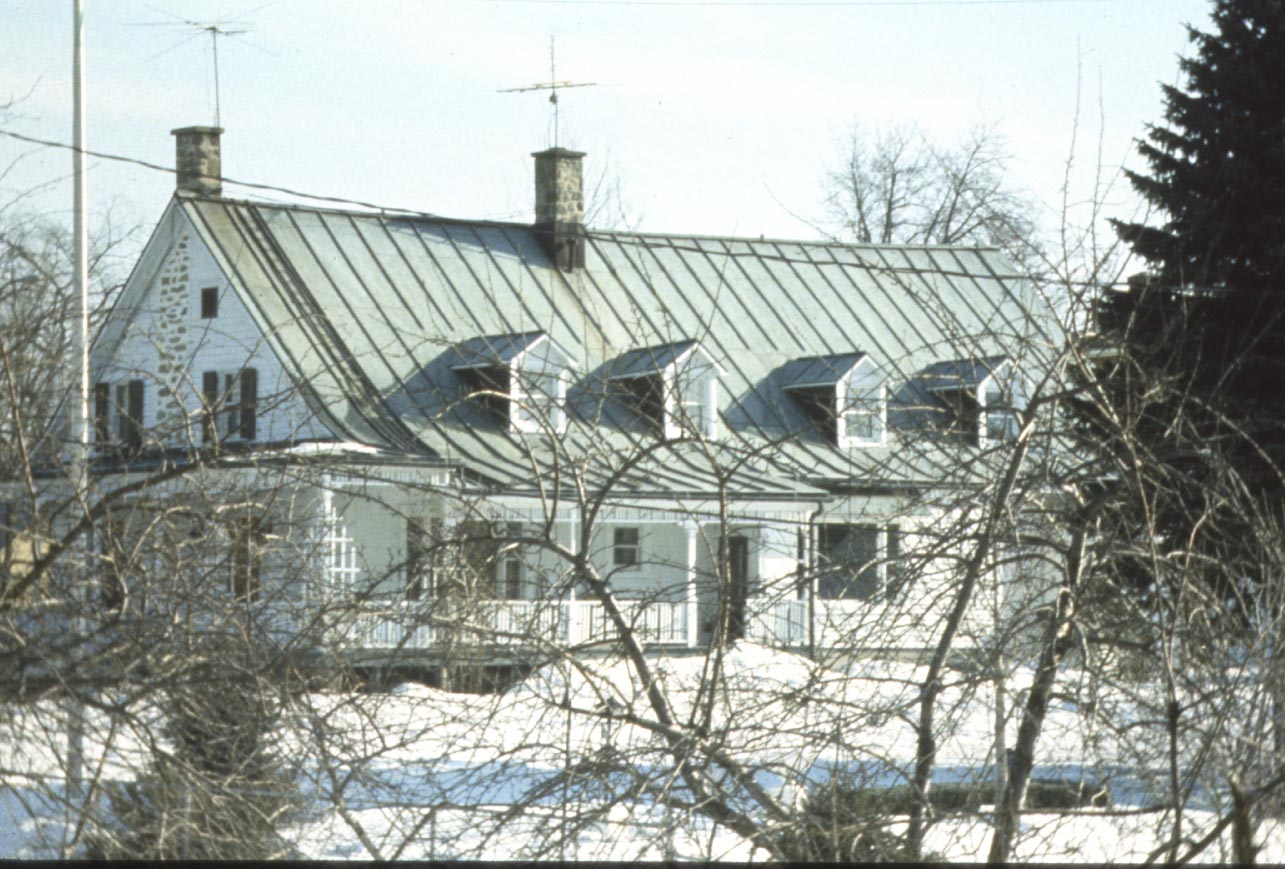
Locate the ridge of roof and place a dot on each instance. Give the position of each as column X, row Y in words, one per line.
column 611, row 234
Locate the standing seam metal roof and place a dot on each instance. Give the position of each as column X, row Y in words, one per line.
column 364, row 309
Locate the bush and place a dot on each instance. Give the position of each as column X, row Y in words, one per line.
column 843, row 822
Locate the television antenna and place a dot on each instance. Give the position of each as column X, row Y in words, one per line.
column 553, row 85
column 232, row 28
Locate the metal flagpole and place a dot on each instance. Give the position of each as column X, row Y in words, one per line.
column 80, row 461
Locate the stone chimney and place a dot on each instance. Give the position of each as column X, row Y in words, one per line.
column 559, row 206
column 197, row 159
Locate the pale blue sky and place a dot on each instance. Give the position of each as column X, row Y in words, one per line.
column 717, row 118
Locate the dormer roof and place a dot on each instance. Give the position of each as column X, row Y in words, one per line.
column 651, row 360
column 815, row 372
column 486, row 351
column 965, row 374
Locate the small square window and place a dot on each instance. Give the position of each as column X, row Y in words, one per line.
column 209, row 303
column 625, row 547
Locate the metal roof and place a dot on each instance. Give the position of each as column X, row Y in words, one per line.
column 368, row 312
column 955, row 374
column 490, row 350
column 649, row 360
column 811, row 372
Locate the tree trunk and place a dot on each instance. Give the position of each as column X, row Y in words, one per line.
column 1059, row 640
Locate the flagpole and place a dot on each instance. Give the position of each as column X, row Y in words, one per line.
column 80, row 460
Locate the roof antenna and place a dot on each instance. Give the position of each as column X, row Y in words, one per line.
column 229, row 27
column 552, row 86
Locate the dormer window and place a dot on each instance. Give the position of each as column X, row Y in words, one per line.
column 981, row 398
column 519, row 379
column 843, row 396
column 672, row 388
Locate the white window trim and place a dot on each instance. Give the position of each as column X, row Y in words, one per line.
column 534, row 418
column 676, row 425
column 843, row 398
column 846, row 390
column 637, row 547
column 1017, row 402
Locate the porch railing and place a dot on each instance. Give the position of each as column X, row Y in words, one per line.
column 414, row 625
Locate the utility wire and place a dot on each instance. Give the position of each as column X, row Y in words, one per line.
column 101, row 155
column 786, row 4
column 618, row 237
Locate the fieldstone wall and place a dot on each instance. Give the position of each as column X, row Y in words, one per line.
column 169, row 335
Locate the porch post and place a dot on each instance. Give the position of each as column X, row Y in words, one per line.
column 693, row 629
column 569, row 606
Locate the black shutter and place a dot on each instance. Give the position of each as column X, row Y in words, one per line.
column 895, row 570
column 416, row 559
column 210, row 406
column 102, row 413
column 135, row 416
column 249, row 402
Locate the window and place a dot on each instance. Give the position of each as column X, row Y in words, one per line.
column 539, row 400
column 980, row 399
column 237, row 404
column 859, row 562
column 862, row 420
column 1002, row 405
column 672, row 389
column 697, row 400
column 209, row 303
column 129, row 415
column 842, row 395
column 626, row 551
column 518, row 380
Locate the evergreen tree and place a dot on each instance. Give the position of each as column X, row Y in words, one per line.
column 1202, row 331
column 217, row 791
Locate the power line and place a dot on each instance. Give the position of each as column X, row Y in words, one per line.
column 786, row 4
column 117, row 158
column 632, row 238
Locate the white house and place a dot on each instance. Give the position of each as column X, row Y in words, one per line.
column 738, row 436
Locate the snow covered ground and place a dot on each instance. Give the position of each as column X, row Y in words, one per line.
column 418, row 773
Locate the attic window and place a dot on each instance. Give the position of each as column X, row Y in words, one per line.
column 981, row 398
column 672, row 388
column 518, row 379
column 209, row 303
column 842, row 395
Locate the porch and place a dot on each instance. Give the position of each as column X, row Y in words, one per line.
column 533, row 624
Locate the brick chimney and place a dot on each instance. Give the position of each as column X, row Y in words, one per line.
column 559, row 206
column 197, row 159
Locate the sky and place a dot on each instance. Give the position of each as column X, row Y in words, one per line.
column 713, row 117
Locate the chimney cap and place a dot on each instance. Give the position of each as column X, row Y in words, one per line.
column 215, row 131
column 558, row 152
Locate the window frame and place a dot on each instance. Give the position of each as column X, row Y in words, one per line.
column 618, row 547
column 209, row 303
column 883, row 573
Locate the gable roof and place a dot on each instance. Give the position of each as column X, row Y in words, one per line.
column 650, row 360
column 812, row 372
column 486, row 351
column 368, row 310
